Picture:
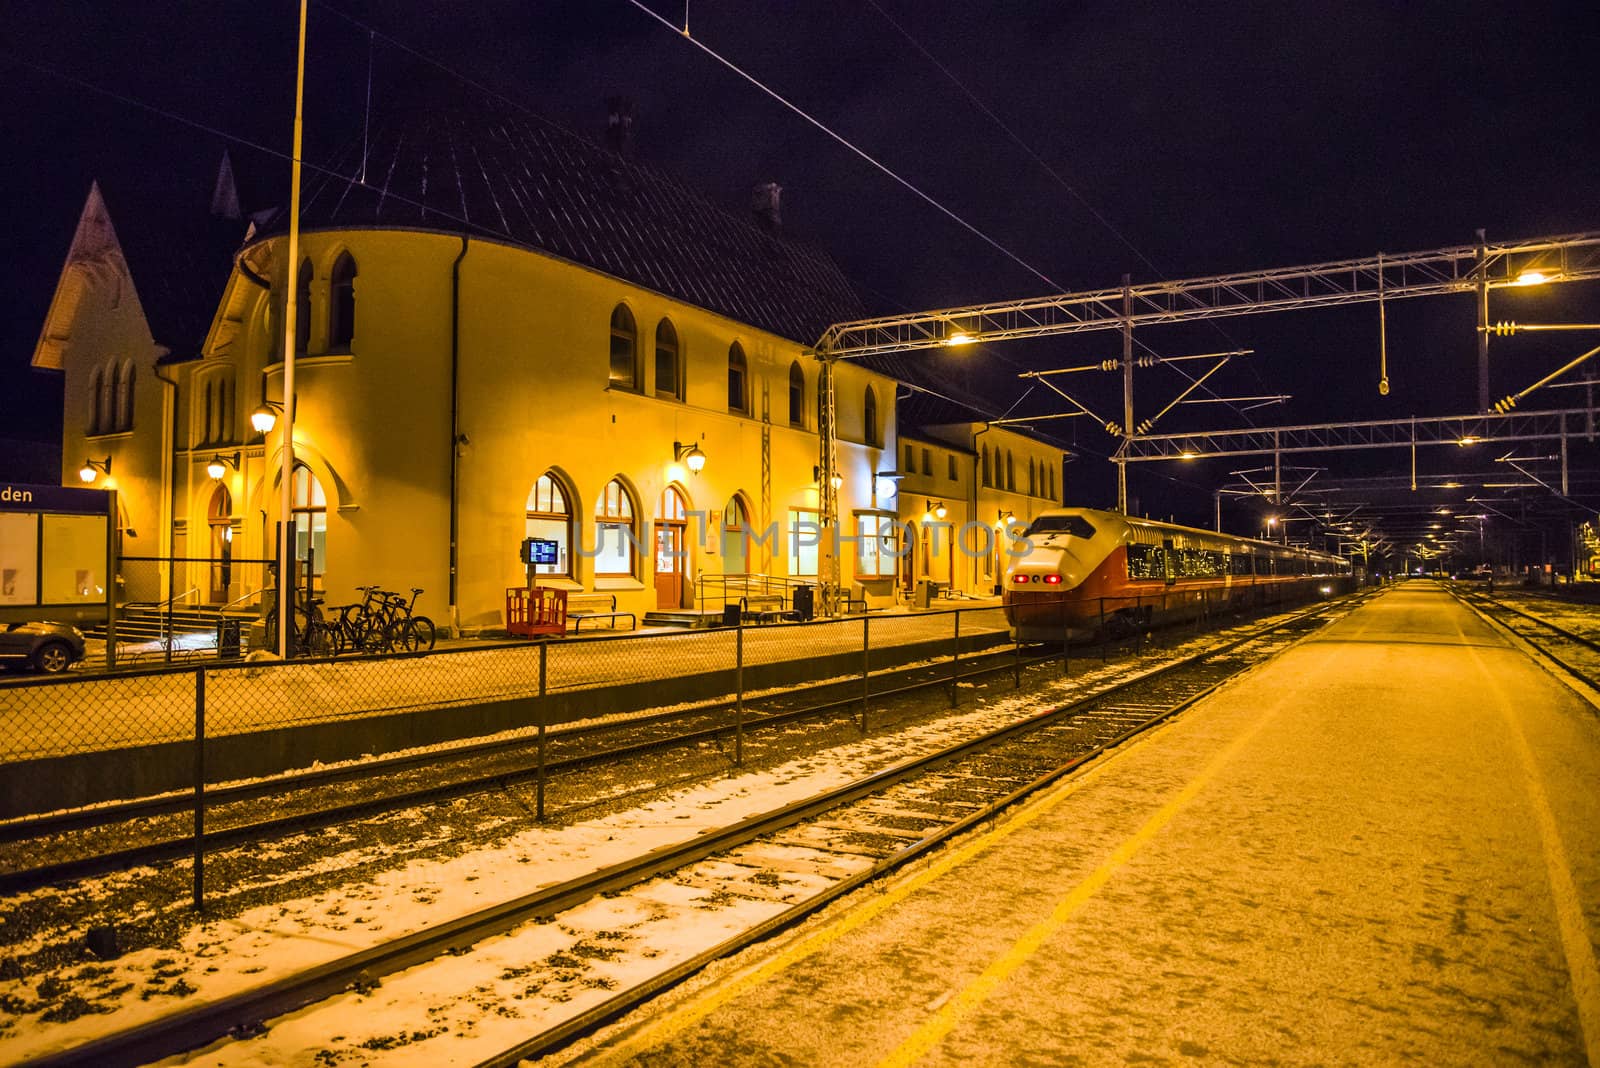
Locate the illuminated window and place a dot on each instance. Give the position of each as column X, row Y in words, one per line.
column 342, row 303
column 549, row 516
column 624, row 348
column 805, row 534
column 738, row 380
column 797, row 395
column 616, row 538
column 669, row 363
column 310, row 523
column 877, row 545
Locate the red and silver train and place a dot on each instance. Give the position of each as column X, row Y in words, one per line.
column 1080, row 570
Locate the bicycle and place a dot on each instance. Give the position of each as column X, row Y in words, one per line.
column 404, row 630
column 311, row 634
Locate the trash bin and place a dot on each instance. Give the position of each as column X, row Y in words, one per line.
column 805, row 601
column 227, row 639
column 730, row 615
column 923, row 596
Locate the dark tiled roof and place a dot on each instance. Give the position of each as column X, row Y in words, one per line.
column 519, row 180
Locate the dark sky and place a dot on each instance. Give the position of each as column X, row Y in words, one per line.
column 1186, row 139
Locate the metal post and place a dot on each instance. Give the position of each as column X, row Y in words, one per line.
column 1066, row 642
column 1483, row 324
column 738, row 704
column 113, row 567
column 199, row 788
column 866, row 668
column 172, row 569
column 1104, row 638
column 1016, row 660
column 544, row 664
column 955, row 661
column 1127, row 394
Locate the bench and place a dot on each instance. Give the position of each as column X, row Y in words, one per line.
column 582, row 606
column 766, row 608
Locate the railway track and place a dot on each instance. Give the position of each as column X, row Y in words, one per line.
column 798, row 857
column 1574, row 648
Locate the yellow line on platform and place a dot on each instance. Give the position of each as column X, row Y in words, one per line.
column 1575, row 941
column 657, row 1032
column 969, row 998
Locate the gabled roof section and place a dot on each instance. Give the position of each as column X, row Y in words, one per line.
column 525, row 182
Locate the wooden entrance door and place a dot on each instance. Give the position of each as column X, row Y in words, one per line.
column 221, row 522
column 672, row 549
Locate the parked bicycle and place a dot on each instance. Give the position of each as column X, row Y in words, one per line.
column 310, row 633
column 382, row 622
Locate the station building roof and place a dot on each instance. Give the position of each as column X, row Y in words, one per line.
column 468, row 168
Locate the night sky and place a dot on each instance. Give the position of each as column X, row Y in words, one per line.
column 1161, row 141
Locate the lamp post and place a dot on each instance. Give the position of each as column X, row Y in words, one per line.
column 290, row 331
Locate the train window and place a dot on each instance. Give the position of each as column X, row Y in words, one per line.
column 1074, row 526
column 1239, row 563
column 1144, row 562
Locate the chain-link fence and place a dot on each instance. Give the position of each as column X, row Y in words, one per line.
column 186, row 609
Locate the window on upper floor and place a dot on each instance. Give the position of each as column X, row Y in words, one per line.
column 871, row 432
column 342, row 304
column 911, row 460
column 951, row 466
column 669, row 362
column 738, row 380
column 1033, row 489
column 797, row 395
column 624, row 350
column 988, row 470
column 927, row 461
column 98, row 391
column 302, row 310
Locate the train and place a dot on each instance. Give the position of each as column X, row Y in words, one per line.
column 1078, row 572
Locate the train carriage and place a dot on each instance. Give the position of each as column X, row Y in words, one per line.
column 1078, row 571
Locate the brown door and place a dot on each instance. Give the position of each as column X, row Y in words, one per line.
column 669, row 564
column 672, row 557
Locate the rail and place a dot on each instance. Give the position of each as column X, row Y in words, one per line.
column 193, row 591
column 722, row 590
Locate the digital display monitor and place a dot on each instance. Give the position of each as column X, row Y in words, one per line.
column 540, row 551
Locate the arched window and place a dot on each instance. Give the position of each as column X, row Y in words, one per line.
column 220, row 520
column 302, row 310
column 616, row 537
column 797, row 395
column 97, row 387
column 669, row 362
column 1011, row 473
column 735, row 537
column 125, row 396
column 738, row 380
column 1033, row 490
column 310, row 524
column 624, row 350
column 342, row 303
column 550, row 518
column 869, row 418
column 988, row 470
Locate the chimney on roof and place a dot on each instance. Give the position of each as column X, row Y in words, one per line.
column 764, row 202
column 619, row 125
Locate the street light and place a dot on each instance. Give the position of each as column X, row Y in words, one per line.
column 264, row 418
column 87, row 471
column 219, row 464
column 690, row 454
column 938, row 511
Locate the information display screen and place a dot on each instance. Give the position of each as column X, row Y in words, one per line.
column 540, row 551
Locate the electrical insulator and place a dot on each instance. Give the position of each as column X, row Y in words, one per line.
column 1504, row 406
column 1144, row 427
column 1505, row 328
column 1383, row 387
column 1114, row 430
column 1110, row 365
column 1145, row 361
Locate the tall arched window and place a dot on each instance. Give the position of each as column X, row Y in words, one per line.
column 125, row 396
column 310, row 524
column 797, row 395
column 869, row 418
column 738, row 380
column 624, row 349
column 669, row 362
column 550, row 518
column 1033, row 490
column 735, row 537
column 1011, row 472
column 302, row 310
column 616, row 537
column 97, row 389
column 342, row 303
column 988, row 470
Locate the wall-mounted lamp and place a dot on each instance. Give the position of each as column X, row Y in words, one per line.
column 938, row 511
column 816, row 477
column 87, row 471
column 265, row 417
column 888, row 482
column 690, row 454
column 218, row 465
column 1005, row 519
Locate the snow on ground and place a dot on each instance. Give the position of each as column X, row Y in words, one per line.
column 474, row 996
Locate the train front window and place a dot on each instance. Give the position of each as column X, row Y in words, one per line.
column 1074, row 526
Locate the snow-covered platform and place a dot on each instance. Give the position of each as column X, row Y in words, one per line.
column 1382, row 847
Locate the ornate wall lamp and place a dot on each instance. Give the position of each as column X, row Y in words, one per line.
column 88, row 471
column 219, row 464
column 690, row 456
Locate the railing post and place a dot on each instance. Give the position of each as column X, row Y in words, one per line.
column 199, row 789
column 866, row 668
column 544, row 715
column 1066, row 640
column 172, row 569
column 955, row 661
column 738, row 703
column 1016, row 660
column 1105, row 639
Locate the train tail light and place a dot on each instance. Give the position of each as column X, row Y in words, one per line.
column 1020, row 580
column 1052, row 580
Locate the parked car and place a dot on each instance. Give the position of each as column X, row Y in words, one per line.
column 49, row 648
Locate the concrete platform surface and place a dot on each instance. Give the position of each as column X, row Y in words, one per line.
column 1383, row 847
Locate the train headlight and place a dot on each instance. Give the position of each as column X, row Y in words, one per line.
column 1326, row 590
